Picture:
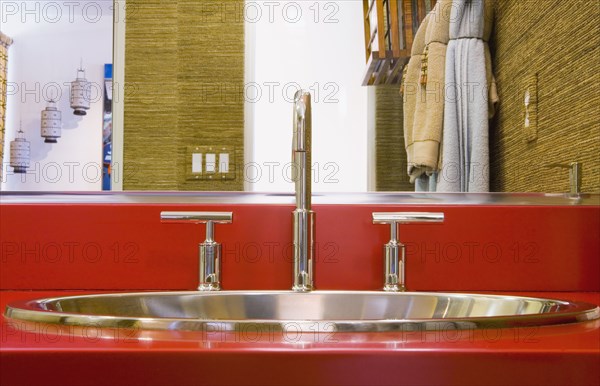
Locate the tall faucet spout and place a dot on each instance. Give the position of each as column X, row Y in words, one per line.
column 304, row 217
column 301, row 149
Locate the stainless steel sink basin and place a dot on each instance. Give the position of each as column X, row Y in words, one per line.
column 340, row 311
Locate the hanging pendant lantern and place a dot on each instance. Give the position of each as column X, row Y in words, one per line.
column 51, row 122
column 80, row 93
column 19, row 153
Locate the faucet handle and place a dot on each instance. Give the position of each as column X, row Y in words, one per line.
column 208, row 218
column 210, row 250
column 197, row 217
column 395, row 253
column 406, row 217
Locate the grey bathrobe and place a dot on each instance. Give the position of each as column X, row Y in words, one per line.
column 470, row 97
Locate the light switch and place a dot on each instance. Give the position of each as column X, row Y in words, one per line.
column 211, row 162
column 224, row 163
column 197, row 163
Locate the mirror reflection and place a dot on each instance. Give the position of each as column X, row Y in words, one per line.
column 209, row 89
column 58, row 66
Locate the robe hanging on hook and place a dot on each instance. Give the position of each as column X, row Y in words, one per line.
column 80, row 93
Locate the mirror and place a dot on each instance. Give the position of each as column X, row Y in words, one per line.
column 51, row 42
column 316, row 45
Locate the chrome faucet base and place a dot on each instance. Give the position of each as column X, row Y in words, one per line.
column 302, row 288
column 304, row 221
column 210, row 264
column 209, row 287
column 209, row 250
column 394, row 288
column 394, row 251
column 394, row 263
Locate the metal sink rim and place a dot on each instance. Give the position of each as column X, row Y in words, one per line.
column 33, row 311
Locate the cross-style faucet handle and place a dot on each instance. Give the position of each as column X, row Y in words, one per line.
column 210, row 250
column 395, row 254
column 197, row 217
column 406, row 217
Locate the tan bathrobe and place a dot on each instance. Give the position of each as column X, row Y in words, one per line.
column 424, row 91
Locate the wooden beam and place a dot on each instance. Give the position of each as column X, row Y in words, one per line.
column 380, row 29
column 395, row 28
column 408, row 32
column 367, row 25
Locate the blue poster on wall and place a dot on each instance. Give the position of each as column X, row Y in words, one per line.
column 107, row 129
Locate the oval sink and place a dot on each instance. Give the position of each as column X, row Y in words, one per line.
column 332, row 310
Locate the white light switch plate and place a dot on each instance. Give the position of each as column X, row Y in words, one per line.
column 210, row 163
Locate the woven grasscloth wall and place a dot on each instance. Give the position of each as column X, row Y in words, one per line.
column 5, row 42
column 560, row 42
column 184, row 75
column 389, row 141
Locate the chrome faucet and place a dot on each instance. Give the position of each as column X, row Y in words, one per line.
column 209, row 250
column 575, row 174
column 304, row 217
column 394, row 251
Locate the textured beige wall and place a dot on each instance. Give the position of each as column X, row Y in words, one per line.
column 184, row 75
column 560, row 42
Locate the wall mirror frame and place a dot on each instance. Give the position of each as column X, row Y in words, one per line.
column 118, row 105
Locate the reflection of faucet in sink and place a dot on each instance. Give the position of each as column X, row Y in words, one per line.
column 304, row 217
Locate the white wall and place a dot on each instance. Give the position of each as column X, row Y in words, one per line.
column 320, row 48
column 50, row 38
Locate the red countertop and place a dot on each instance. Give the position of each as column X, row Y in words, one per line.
column 49, row 249
column 43, row 354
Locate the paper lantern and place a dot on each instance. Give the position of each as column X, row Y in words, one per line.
column 51, row 123
column 19, row 153
column 80, row 93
